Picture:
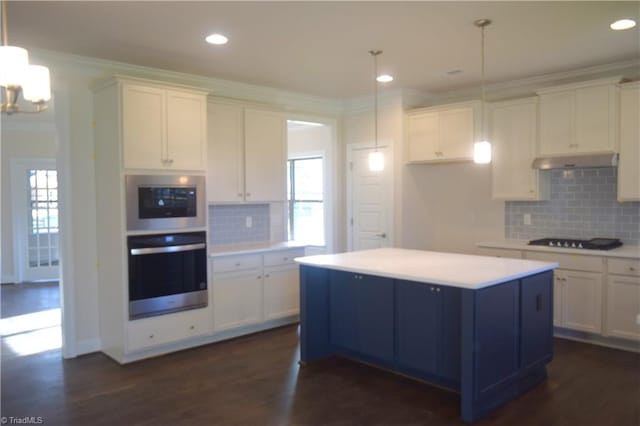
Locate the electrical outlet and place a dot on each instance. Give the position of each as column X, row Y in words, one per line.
column 248, row 222
column 527, row 218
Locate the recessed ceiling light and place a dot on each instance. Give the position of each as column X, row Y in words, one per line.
column 384, row 78
column 623, row 24
column 216, row 39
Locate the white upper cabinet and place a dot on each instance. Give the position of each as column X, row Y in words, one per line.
column 513, row 134
column 247, row 154
column 578, row 118
column 444, row 133
column 163, row 128
column 629, row 164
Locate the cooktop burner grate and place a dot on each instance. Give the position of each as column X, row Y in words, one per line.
column 592, row 244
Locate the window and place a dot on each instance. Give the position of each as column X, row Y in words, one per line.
column 305, row 183
column 43, row 217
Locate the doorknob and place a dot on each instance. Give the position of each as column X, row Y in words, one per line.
column 383, row 235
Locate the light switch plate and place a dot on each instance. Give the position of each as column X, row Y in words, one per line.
column 248, row 222
column 527, row 218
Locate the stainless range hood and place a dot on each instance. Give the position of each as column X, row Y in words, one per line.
column 576, row 161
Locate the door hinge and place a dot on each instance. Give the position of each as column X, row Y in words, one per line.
column 351, row 165
column 351, row 221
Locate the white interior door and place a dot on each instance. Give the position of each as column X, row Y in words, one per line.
column 35, row 219
column 370, row 214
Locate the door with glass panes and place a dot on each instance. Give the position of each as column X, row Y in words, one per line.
column 35, row 195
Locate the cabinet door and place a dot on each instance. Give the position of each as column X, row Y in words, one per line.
column 186, row 130
column 419, row 313
column 423, row 135
column 225, row 173
column 514, row 135
column 536, row 313
column 595, row 119
column 362, row 314
column 143, row 127
column 629, row 164
column 265, row 156
column 557, row 123
column 582, row 301
column 281, row 292
column 457, row 132
column 237, row 299
column 623, row 306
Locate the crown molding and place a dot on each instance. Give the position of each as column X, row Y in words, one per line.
column 102, row 69
column 530, row 85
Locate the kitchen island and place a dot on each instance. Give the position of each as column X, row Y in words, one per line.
column 476, row 325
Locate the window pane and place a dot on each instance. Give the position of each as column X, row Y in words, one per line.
column 308, row 222
column 308, row 179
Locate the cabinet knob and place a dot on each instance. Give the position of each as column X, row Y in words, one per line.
column 239, row 194
column 432, row 289
column 258, row 277
column 631, row 268
column 286, row 258
column 267, row 275
column 193, row 327
column 437, row 290
column 248, row 194
column 238, row 264
column 151, row 336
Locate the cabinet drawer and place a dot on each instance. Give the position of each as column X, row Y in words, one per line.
column 283, row 257
column 569, row 261
column 496, row 252
column 164, row 329
column 236, row 263
column 624, row 266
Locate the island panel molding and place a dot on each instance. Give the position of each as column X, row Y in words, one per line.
column 489, row 342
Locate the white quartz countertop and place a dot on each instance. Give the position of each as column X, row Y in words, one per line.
column 449, row 269
column 250, row 248
column 632, row 252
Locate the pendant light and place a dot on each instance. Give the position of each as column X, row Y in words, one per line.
column 482, row 148
column 376, row 158
column 16, row 75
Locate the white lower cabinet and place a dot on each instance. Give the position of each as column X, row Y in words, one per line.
column 164, row 329
column 237, row 299
column 577, row 290
column 253, row 289
column 580, row 300
column 623, row 298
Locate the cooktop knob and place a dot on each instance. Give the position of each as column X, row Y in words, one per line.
column 580, row 245
column 566, row 244
column 573, row 245
column 551, row 243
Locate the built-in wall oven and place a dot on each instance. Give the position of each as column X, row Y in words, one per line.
column 167, row 273
column 155, row 202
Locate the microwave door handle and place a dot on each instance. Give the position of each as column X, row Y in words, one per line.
column 168, row 249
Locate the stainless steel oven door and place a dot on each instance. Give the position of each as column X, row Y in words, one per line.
column 167, row 273
column 156, row 202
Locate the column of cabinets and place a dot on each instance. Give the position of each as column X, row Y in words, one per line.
column 629, row 164
column 513, row 130
column 578, row 118
column 445, row 133
column 162, row 128
column 254, row 288
column 247, row 154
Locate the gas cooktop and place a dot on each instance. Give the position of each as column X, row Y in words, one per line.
column 592, row 244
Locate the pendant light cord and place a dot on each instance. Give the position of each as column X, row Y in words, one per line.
column 5, row 31
column 375, row 54
column 484, row 124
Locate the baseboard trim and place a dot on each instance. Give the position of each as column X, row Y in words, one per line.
column 594, row 339
column 88, row 346
column 8, row 279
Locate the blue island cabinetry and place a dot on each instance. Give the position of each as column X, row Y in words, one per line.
column 489, row 344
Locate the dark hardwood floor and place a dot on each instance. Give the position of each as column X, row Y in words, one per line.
column 20, row 299
column 256, row 380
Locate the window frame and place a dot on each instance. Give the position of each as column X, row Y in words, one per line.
column 291, row 200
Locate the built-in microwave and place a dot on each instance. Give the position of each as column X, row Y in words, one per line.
column 156, row 202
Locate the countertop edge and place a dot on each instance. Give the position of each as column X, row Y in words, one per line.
column 253, row 249
column 629, row 252
column 427, row 280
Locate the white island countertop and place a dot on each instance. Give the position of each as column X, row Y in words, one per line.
column 449, row 269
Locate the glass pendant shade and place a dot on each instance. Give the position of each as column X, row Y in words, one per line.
column 13, row 61
column 482, row 152
column 36, row 85
column 376, row 161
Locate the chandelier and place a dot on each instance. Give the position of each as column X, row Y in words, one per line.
column 17, row 76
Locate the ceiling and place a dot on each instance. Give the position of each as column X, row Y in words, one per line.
column 320, row 48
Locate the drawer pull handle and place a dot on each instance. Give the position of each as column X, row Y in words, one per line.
column 286, row 258
column 538, row 302
column 238, row 264
column 631, row 268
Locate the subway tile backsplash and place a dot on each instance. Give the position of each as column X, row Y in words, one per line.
column 227, row 224
column 582, row 205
